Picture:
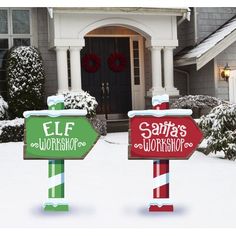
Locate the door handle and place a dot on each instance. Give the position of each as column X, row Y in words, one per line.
column 103, row 90
column 107, row 89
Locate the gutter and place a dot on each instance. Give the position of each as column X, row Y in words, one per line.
column 186, row 16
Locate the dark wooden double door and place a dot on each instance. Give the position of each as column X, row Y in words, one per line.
column 111, row 88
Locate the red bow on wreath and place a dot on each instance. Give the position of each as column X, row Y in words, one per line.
column 91, row 62
column 117, row 62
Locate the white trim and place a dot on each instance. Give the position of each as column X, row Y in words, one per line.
column 124, row 10
column 138, row 91
column 210, row 54
column 129, row 23
column 131, row 39
column 216, row 50
column 111, row 35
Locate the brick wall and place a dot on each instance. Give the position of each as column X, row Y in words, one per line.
column 49, row 56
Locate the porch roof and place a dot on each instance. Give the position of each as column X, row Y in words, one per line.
column 124, row 10
column 210, row 47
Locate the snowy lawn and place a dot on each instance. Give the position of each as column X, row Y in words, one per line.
column 108, row 190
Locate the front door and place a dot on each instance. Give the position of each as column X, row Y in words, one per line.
column 106, row 74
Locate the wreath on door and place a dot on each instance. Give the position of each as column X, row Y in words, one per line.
column 117, row 62
column 91, row 62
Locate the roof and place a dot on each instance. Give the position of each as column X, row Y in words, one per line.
column 124, row 10
column 210, row 47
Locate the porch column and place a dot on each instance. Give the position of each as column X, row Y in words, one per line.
column 157, row 88
column 62, row 69
column 169, row 72
column 75, row 66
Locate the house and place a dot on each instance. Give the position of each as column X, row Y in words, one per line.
column 207, row 43
column 124, row 56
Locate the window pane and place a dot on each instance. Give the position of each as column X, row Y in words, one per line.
column 3, row 22
column 136, row 54
column 136, row 62
column 137, row 80
column 21, row 22
column 21, row 42
column 3, row 44
column 135, row 44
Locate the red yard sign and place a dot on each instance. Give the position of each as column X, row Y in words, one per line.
column 165, row 137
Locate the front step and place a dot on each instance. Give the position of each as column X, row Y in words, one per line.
column 117, row 125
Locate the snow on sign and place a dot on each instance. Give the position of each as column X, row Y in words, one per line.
column 58, row 134
column 163, row 134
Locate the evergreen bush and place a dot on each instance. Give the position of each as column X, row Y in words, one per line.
column 12, row 130
column 81, row 100
column 25, row 80
column 200, row 104
column 219, row 128
column 3, row 108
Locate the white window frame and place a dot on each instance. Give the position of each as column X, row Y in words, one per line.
column 10, row 36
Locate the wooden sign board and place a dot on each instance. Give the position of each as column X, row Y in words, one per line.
column 62, row 137
column 165, row 137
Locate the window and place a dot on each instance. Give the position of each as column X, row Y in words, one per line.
column 3, row 54
column 21, row 41
column 3, row 22
column 136, row 63
column 15, row 30
column 15, row 24
column 20, row 22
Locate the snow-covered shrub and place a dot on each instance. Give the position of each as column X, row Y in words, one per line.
column 81, row 100
column 25, row 80
column 219, row 127
column 12, row 130
column 3, row 108
column 200, row 104
column 99, row 125
column 196, row 101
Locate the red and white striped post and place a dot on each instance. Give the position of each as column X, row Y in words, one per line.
column 161, row 201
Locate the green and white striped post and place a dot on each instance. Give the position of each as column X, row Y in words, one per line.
column 56, row 191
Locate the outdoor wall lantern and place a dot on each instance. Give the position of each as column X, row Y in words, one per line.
column 225, row 73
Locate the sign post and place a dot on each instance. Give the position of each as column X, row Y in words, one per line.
column 161, row 176
column 56, row 188
column 57, row 135
column 162, row 134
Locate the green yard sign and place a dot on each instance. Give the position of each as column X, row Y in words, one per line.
column 61, row 137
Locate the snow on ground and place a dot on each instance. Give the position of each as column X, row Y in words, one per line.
column 108, row 190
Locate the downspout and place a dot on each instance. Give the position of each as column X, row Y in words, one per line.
column 187, row 78
column 195, row 25
column 50, row 12
column 186, row 16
